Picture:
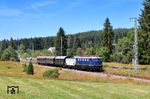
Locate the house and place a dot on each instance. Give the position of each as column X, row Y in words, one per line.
column 52, row 49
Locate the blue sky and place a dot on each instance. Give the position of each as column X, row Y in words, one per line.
column 40, row 18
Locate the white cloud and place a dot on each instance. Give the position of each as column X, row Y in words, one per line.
column 8, row 12
column 43, row 4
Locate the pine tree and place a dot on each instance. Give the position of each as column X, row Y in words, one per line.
column 4, row 44
column 30, row 69
column 61, row 35
column 144, row 34
column 107, row 36
column 12, row 43
column 21, row 49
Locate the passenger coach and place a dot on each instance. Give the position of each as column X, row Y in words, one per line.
column 45, row 60
column 77, row 62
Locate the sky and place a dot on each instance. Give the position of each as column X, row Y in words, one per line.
column 41, row 18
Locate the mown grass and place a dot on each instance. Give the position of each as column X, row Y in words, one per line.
column 127, row 69
column 60, row 89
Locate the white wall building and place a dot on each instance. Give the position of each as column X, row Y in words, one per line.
column 52, row 49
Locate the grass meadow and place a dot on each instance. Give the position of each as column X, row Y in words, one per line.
column 69, row 85
column 127, row 69
column 60, row 89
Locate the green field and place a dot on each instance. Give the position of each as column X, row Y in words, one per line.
column 60, row 89
column 69, row 85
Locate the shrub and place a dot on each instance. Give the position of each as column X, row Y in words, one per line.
column 126, row 59
column 52, row 73
column 90, row 51
column 9, row 54
column 105, row 66
column 30, row 69
column 104, row 53
column 70, row 52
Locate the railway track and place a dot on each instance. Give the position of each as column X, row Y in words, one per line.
column 106, row 74
column 117, row 76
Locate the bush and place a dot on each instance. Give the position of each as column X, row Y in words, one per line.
column 52, row 73
column 70, row 52
column 126, row 59
column 24, row 67
column 104, row 53
column 30, row 69
column 90, row 51
column 9, row 54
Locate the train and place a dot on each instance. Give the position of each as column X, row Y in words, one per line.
column 76, row 62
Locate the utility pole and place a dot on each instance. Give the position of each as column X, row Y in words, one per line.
column 69, row 40
column 61, row 45
column 135, row 46
column 33, row 47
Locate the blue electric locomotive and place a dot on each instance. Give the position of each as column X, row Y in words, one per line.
column 89, row 63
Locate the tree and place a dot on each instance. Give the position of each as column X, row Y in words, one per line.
column 21, row 49
column 12, row 43
column 104, row 53
column 76, row 43
column 70, row 52
column 1, row 52
column 124, row 49
column 90, row 51
column 25, row 55
column 30, row 69
column 79, row 51
column 9, row 54
column 4, row 44
column 144, row 34
column 107, row 36
column 61, row 37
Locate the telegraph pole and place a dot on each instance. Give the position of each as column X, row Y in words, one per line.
column 135, row 46
column 33, row 47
